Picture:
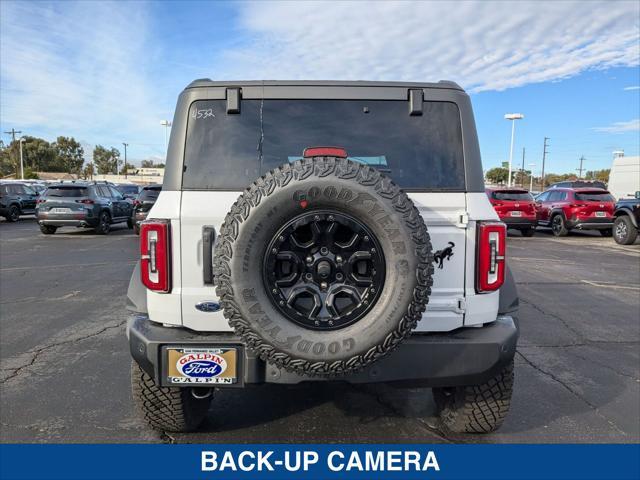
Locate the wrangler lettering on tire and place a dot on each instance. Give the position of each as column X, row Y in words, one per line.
column 323, row 266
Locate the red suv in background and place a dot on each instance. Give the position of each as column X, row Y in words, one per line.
column 565, row 209
column 515, row 207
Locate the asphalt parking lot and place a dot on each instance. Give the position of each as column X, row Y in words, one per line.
column 65, row 363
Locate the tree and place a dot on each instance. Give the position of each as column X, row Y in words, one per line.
column 601, row 175
column 497, row 175
column 38, row 154
column 88, row 171
column 106, row 161
column 70, row 154
column 150, row 164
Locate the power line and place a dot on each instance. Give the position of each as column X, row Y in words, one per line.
column 13, row 133
column 544, row 157
column 582, row 159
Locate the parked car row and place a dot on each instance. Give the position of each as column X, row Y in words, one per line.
column 568, row 206
column 85, row 204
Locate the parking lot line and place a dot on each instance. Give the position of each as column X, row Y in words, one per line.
column 605, row 285
column 42, row 267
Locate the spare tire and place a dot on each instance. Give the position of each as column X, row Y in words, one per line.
column 323, row 266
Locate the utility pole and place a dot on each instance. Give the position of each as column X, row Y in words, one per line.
column 13, row 133
column 522, row 169
column 580, row 169
column 125, row 158
column 544, row 157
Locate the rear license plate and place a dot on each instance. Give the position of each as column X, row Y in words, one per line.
column 60, row 210
column 516, row 213
column 601, row 214
column 202, row 366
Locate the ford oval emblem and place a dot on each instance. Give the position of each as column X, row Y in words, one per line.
column 208, row 306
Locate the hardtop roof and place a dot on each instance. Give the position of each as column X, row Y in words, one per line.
column 207, row 82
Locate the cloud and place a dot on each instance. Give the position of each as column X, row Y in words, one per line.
column 633, row 87
column 481, row 45
column 621, row 127
column 79, row 69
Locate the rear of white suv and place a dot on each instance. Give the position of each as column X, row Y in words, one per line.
column 365, row 251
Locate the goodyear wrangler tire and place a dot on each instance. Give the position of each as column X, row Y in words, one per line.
column 359, row 270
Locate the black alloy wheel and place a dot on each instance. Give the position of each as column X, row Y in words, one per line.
column 324, row 270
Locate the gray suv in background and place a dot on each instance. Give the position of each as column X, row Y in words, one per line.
column 85, row 205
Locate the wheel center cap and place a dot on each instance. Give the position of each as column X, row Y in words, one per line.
column 323, row 269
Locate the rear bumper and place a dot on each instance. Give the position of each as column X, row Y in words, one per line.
column 466, row 356
column 590, row 223
column 67, row 220
column 519, row 222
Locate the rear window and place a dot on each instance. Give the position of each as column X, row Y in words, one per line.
column 513, row 196
column 594, row 197
column 71, row 191
column 127, row 189
column 228, row 151
column 149, row 194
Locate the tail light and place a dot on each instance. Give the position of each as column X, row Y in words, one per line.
column 86, row 201
column 490, row 256
column 155, row 255
column 136, row 203
column 40, row 200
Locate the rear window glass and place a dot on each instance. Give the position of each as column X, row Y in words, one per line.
column 594, row 197
column 513, row 196
column 149, row 194
column 228, row 151
column 67, row 192
column 127, row 189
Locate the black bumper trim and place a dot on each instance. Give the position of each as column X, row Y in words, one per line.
column 518, row 222
column 466, row 356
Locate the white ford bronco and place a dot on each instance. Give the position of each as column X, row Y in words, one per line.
column 323, row 231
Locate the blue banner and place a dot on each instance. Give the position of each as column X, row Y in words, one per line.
column 319, row 462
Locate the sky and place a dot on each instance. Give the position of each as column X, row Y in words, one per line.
column 109, row 72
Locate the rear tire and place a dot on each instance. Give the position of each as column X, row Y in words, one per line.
column 607, row 232
column 104, row 224
column 14, row 214
column 168, row 409
column 476, row 408
column 558, row 226
column 48, row 229
column 528, row 232
column 624, row 231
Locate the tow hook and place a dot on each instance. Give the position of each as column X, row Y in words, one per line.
column 445, row 254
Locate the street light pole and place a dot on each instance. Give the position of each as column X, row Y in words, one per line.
column 531, row 175
column 166, row 124
column 21, row 161
column 125, row 158
column 512, row 117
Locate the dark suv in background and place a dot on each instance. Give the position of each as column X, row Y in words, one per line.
column 627, row 220
column 128, row 190
column 82, row 204
column 143, row 204
column 16, row 199
column 565, row 209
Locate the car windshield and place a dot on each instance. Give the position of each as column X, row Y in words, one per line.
column 228, row 151
column 149, row 194
column 594, row 197
column 64, row 191
column 515, row 196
